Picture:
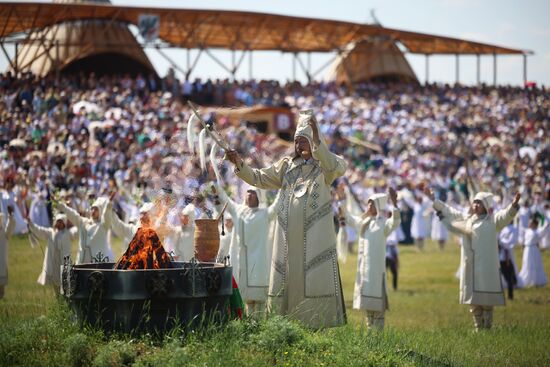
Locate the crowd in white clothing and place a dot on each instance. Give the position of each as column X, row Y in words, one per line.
column 79, row 139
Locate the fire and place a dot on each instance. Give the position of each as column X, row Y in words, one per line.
column 145, row 251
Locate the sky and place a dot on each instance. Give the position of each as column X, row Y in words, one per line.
column 521, row 24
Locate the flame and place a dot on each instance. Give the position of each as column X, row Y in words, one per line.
column 145, row 251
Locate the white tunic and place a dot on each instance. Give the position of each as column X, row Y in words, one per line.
column 479, row 264
column 370, row 282
column 58, row 247
column 251, row 247
column 5, row 234
column 532, row 269
column 125, row 231
column 304, row 281
column 94, row 236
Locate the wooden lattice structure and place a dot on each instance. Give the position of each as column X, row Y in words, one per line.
column 233, row 30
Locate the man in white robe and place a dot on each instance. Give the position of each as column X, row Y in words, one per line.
column 5, row 234
column 304, row 280
column 93, row 232
column 59, row 239
column 480, row 283
column 250, row 248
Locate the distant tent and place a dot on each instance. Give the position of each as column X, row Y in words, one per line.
column 101, row 46
column 375, row 59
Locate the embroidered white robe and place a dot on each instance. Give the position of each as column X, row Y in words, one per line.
column 480, row 282
column 304, row 281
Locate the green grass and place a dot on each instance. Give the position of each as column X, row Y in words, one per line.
column 425, row 326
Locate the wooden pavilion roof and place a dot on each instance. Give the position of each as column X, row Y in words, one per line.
column 236, row 30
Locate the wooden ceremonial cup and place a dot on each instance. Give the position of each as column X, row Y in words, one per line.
column 207, row 239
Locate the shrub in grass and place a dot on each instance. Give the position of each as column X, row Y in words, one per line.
column 79, row 350
column 278, row 333
column 115, row 353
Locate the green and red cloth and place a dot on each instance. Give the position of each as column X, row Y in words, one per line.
column 236, row 305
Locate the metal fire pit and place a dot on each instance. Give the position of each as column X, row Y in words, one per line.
column 152, row 300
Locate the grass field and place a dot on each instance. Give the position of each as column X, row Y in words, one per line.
column 425, row 326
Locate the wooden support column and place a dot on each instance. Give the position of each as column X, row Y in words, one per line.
column 427, row 69
column 233, row 66
column 250, row 71
column 15, row 60
column 457, row 66
column 524, row 69
column 478, row 62
column 294, row 66
column 494, row 69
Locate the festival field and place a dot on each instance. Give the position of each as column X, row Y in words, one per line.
column 425, row 326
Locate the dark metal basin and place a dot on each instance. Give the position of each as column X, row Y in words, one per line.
column 184, row 296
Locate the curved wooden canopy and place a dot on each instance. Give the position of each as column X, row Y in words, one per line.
column 192, row 28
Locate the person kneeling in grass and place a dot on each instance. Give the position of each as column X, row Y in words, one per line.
column 370, row 283
column 480, row 283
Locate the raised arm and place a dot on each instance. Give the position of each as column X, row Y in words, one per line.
column 42, row 233
column 350, row 219
column 543, row 231
column 121, row 229
column 224, row 198
column 506, row 215
column 268, row 178
column 393, row 222
column 351, row 204
column 332, row 165
column 72, row 214
column 449, row 213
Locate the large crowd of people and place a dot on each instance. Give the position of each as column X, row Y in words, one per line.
column 83, row 137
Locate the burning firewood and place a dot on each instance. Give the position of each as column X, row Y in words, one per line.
column 145, row 251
